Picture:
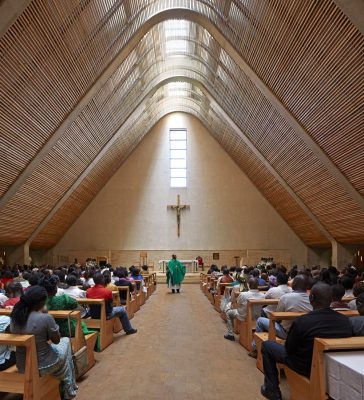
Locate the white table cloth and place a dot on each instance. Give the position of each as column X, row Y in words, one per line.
column 345, row 375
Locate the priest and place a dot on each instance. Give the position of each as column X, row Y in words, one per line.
column 175, row 274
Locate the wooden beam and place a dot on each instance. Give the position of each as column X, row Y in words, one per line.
column 354, row 10
column 210, row 97
column 10, row 11
column 229, row 48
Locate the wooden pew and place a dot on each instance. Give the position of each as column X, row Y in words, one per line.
column 247, row 327
column 149, row 286
column 106, row 327
column 154, row 279
column 140, row 295
column 30, row 384
column 303, row 388
column 210, row 295
column 128, row 305
column 79, row 340
column 219, row 294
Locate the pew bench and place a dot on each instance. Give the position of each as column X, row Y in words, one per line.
column 219, row 294
column 303, row 388
column 79, row 340
column 29, row 384
column 129, row 304
column 106, row 327
column 247, row 327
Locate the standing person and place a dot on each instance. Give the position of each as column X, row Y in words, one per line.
column 175, row 274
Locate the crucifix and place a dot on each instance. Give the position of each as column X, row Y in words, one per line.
column 178, row 207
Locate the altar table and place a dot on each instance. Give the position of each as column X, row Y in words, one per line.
column 191, row 265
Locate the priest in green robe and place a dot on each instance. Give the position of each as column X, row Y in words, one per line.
column 175, row 274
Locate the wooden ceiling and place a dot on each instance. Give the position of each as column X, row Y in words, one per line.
column 280, row 85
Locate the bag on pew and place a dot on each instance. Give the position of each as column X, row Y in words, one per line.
column 80, row 360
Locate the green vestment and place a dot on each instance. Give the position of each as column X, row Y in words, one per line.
column 175, row 272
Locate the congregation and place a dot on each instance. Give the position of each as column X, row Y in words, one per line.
column 29, row 295
column 317, row 296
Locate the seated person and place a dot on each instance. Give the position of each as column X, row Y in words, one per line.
column 277, row 292
column 122, row 274
column 107, row 280
column 348, row 282
column 239, row 306
column 7, row 278
column 296, row 301
column 145, row 271
column 135, row 274
column 297, row 352
column 87, row 280
column 225, row 278
column 358, row 322
column 338, row 292
column 72, row 289
column 7, row 356
column 100, row 292
column 59, row 303
column 13, row 291
column 30, row 318
column 358, row 289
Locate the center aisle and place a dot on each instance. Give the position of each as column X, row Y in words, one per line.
column 178, row 353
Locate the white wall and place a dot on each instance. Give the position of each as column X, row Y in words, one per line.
column 227, row 211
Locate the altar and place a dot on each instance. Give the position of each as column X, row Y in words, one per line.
column 191, row 265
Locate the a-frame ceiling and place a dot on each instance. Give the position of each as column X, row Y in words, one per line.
column 280, row 85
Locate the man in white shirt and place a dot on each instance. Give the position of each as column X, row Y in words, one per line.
column 239, row 307
column 277, row 292
column 296, row 301
column 72, row 290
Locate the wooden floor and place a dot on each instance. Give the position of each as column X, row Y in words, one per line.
column 178, row 353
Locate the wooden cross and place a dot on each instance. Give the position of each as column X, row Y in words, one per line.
column 178, row 207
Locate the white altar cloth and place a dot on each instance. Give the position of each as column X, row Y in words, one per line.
column 191, row 265
column 345, row 375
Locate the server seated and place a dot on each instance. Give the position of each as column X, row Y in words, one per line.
column 100, row 292
column 239, row 306
column 30, row 318
column 322, row 322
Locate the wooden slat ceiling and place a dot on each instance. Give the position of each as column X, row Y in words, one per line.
column 307, row 52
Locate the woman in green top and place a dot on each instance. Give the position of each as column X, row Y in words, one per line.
column 62, row 302
column 175, row 274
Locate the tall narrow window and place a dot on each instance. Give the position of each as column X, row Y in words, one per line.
column 178, row 157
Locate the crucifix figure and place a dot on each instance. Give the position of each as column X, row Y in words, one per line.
column 178, row 207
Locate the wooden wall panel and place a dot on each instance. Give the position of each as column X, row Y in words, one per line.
column 307, row 52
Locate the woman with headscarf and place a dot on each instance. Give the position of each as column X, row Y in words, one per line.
column 30, row 318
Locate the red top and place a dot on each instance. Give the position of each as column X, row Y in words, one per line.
column 99, row 292
column 11, row 302
column 4, row 281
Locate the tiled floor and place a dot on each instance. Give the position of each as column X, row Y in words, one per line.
column 179, row 353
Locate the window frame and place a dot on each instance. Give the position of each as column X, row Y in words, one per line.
column 173, row 179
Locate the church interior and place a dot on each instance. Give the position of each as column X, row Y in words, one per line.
column 185, row 172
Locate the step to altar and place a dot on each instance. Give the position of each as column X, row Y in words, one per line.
column 190, row 277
